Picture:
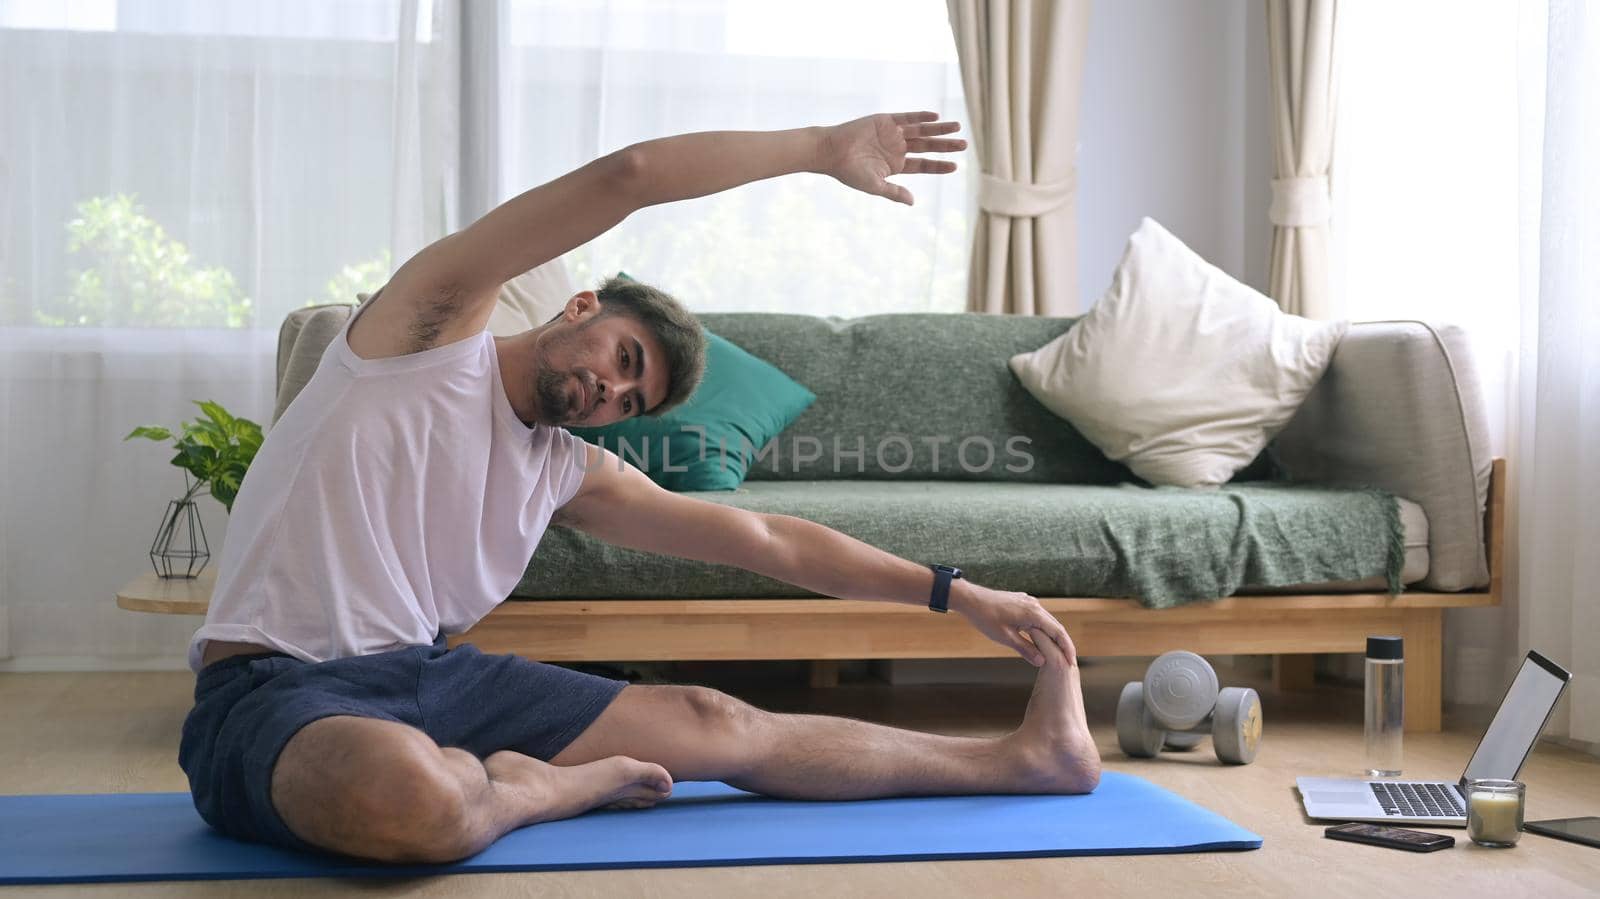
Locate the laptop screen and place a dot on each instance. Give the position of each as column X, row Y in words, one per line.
column 1520, row 718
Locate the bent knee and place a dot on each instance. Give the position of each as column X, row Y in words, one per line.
column 717, row 712
column 374, row 789
column 428, row 810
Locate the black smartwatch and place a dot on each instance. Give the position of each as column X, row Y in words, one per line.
column 942, row 576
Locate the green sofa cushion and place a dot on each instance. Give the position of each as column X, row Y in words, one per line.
column 1164, row 545
column 740, row 401
column 923, row 381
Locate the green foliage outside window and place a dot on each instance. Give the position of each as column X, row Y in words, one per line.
column 782, row 238
column 139, row 276
column 365, row 277
column 134, row 274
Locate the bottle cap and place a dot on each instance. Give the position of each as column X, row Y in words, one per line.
column 1385, row 648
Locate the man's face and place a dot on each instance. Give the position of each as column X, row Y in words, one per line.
column 597, row 369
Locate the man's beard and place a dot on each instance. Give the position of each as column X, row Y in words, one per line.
column 556, row 405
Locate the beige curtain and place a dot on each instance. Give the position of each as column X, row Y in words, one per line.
column 1302, row 48
column 1022, row 68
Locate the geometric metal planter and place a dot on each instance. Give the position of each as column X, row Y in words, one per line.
column 180, row 548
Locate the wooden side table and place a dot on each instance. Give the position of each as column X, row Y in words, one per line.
column 171, row 595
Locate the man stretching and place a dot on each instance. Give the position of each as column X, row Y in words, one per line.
column 402, row 493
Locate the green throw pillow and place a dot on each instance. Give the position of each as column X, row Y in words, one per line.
column 742, row 402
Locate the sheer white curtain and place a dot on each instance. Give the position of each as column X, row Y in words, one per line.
column 174, row 177
column 585, row 77
column 1469, row 191
column 1557, row 430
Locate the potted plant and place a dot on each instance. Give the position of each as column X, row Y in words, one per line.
column 214, row 452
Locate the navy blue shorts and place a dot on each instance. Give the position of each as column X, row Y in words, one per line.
column 247, row 707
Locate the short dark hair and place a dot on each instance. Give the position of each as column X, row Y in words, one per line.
column 678, row 331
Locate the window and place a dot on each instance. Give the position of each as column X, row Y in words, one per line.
column 195, row 164
column 217, row 163
column 591, row 77
column 1425, row 170
column 1426, row 218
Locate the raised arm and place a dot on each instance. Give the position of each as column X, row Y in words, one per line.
column 619, row 505
column 531, row 229
column 448, row 289
column 547, row 221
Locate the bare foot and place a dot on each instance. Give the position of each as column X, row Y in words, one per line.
column 563, row 792
column 1053, row 751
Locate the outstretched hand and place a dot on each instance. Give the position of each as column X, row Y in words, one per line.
column 864, row 152
column 1013, row 620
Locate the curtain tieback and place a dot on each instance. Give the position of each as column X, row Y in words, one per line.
column 1300, row 202
column 1018, row 199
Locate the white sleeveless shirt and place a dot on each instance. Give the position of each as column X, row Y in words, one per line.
column 395, row 498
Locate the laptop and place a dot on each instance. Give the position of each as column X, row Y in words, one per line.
column 1504, row 747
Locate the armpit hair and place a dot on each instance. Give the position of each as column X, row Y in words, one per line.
column 432, row 315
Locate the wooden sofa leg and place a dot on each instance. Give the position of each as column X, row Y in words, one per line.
column 825, row 673
column 1294, row 673
column 1423, row 630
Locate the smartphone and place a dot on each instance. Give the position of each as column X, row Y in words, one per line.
column 1393, row 837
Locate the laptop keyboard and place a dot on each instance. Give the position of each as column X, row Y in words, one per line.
column 1412, row 800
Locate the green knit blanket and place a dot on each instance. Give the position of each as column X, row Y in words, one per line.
column 1180, row 545
column 1163, row 545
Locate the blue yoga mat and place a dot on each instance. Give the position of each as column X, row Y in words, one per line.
column 159, row 836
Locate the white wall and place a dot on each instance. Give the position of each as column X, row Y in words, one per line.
column 1174, row 126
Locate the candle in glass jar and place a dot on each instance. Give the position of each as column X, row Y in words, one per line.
column 1494, row 817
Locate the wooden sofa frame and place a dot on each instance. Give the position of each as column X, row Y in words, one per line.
column 826, row 630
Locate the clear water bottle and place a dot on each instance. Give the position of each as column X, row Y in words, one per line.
column 1386, row 705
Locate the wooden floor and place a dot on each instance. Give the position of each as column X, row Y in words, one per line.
column 119, row 732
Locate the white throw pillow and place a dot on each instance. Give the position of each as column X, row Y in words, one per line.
column 1179, row 371
column 531, row 299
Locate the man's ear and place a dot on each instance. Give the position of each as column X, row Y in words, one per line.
column 584, row 304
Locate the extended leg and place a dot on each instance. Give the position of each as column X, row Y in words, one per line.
column 701, row 734
column 382, row 790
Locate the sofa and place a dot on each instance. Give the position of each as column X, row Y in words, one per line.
column 1381, row 480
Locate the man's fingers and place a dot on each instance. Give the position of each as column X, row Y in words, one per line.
column 1027, row 647
column 910, row 131
column 915, row 166
column 1050, row 630
column 1064, row 640
column 912, row 118
column 935, row 145
column 895, row 192
column 1041, row 638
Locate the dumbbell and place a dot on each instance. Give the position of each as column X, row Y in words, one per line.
column 1178, row 701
